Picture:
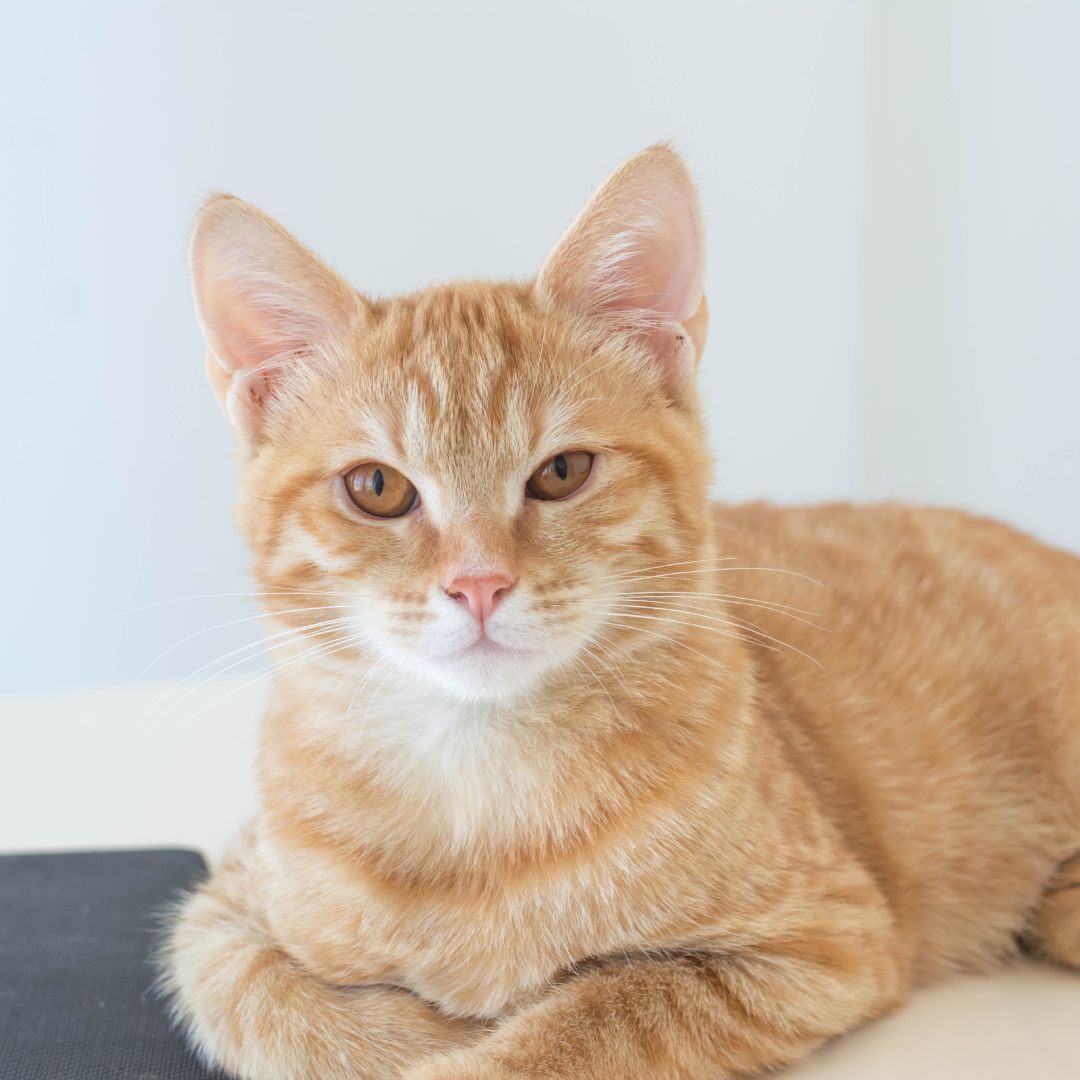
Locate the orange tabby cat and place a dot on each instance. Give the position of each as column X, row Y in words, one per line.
column 566, row 773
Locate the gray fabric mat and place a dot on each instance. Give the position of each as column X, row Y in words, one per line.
column 76, row 933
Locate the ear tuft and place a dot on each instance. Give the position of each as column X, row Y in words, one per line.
column 635, row 260
column 264, row 302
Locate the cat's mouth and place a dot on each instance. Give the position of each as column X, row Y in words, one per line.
column 485, row 646
column 482, row 646
column 483, row 665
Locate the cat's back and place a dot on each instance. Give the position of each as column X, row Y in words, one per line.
column 927, row 683
column 902, row 608
column 892, row 567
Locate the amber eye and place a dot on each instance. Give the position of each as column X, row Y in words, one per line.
column 561, row 475
column 379, row 490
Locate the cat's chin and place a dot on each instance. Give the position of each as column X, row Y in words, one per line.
column 485, row 670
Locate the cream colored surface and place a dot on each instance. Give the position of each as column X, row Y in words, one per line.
column 140, row 773
column 136, row 766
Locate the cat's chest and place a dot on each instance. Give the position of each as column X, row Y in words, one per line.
column 478, row 953
column 479, row 936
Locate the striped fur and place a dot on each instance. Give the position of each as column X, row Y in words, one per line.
column 738, row 779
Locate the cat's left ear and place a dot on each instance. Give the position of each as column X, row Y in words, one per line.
column 635, row 260
column 265, row 303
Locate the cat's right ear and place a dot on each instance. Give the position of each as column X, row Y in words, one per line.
column 265, row 303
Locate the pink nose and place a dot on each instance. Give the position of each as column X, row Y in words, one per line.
column 481, row 594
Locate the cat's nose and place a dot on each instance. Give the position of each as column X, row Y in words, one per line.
column 479, row 594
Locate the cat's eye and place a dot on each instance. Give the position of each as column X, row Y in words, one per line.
column 561, row 475
column 380, row 490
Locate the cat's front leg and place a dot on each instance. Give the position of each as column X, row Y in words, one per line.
column 250, row 1009
column 694, row 1016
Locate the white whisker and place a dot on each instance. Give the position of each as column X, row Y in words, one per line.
column 374, row 694
column 379, row 662
column 579, row 659
column 749, row 627
column 629, row 575
column 226, row 596
column 729, row 569
column 310, row 655
column 253, row 648
column 626, row 613
column 313, row 630
column 734, row 598
column 672, row 641
column 234, row 622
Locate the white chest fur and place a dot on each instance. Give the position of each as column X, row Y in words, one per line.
column 479, row 778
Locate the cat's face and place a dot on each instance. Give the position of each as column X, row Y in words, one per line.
column 469, row 474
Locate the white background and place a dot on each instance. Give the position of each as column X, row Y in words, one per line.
column 891, row 193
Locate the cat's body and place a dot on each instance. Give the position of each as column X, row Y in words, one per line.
column 773, row 768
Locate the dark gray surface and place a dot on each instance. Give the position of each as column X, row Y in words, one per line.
column 76, row 935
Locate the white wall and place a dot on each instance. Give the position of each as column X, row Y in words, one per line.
column 890, row 191
column 969, row 354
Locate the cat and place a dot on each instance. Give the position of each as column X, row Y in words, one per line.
column 566, row 772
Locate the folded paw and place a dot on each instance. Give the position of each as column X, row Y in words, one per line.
column 462, row 1065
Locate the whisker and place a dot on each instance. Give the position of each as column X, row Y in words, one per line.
column 227, row 596
column 319, row 629
column 729, row 569
column 749, row 627
column 579, row 659
column 595, row 638
column 313, row 654
column 625, row 613
column 708, row 602
column 234, row 622
column 629, row 574
column 252, row 648
column 672, row 641
column 613, row 659
column 375, row 693
column 734, row 598
column 344, row 678
column 259, row 643
column 380, row 661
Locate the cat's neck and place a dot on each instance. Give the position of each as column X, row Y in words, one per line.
column 412, row 777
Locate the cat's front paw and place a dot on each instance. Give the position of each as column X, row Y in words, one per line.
column 462, row 1065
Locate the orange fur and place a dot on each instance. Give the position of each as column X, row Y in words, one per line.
column 751, row 775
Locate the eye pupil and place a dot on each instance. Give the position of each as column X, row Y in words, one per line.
column 380, row 490
column 560, row 476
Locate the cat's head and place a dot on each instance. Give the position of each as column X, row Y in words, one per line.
column 474, row 474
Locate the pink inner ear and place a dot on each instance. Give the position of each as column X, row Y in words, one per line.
column 662, row 264
column 265, row 303
column 638, row 248
column 259, row 292
column 662, row 288
column 682, row 252
column 242, row 333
